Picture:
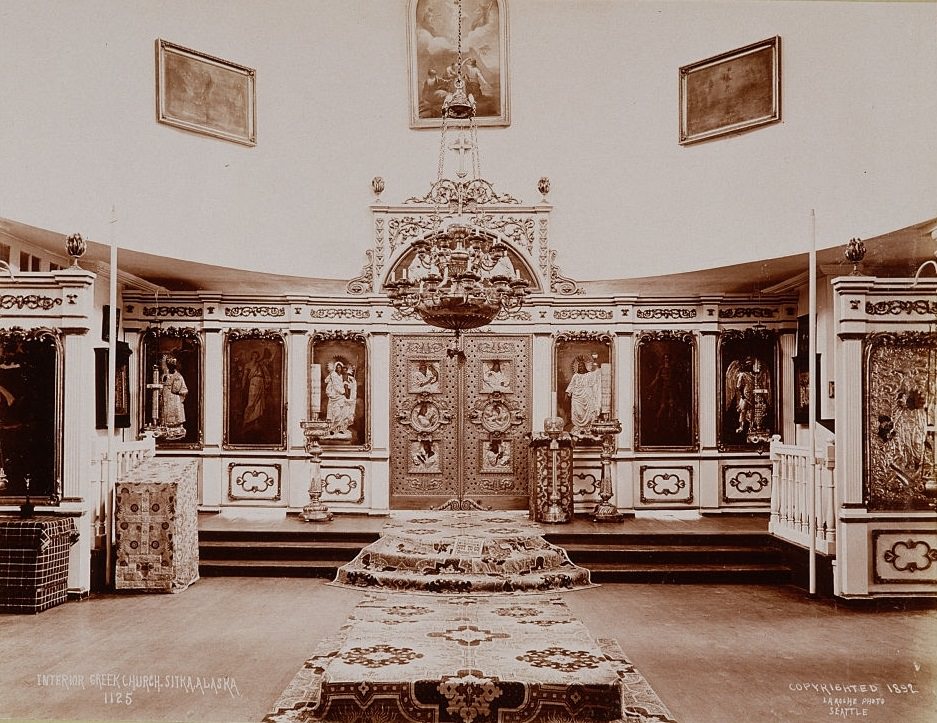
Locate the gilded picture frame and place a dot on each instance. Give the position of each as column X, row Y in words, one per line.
column 433, row 50
column 583, row 380
column 121, row 387
column 732, row 92
column 899, row 419
column 666, row 394
column 339, row 387
column 748, row 389
column 158, row 345
column 203, row 94
column 254, row 389
column 32, row 377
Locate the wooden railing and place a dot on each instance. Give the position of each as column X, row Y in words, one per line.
column 128, row 455
column 792, row 472
column 133, row 454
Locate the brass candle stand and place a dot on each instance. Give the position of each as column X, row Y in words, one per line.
column 606, row 429
column 315, row 511
column 553, row 428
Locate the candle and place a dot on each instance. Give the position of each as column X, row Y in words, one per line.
column 605, row 372
column 315, row 381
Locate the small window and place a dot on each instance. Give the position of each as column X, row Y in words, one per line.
column 35, row 263
column 24, row 261
column 5, row 253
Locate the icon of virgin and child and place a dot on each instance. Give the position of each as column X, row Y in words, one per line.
column 341, row 392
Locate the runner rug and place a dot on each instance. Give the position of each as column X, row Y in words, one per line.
column 466, row 659
column 463, row 552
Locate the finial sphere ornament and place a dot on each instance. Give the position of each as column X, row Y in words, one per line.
column 76, row 246
column 377, row 185
column 854, row 253
column 543, row 185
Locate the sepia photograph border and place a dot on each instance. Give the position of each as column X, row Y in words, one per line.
column 232, row 72
column 693, row 83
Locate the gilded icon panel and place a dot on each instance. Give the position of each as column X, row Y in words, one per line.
column 748, row 389
column 900, row 418
column 496, row 456
column 30, row 416
column 582, row 380
column 424, row 456
column 338, row 386
column 255, row 410
column 666, row 395
column 171, row 380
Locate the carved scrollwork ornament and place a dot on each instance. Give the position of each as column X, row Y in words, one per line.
column 176, row 332
column 339, row 334
column 603, row 337
column 234, row 334
column 190, row 312
column 646, row 337
column 752, row 333
column 363, row 283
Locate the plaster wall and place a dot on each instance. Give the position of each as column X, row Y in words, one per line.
column 594, row 106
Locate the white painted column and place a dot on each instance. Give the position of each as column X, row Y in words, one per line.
column 77, row 450
column 297, row 352
column 708, row 379
column 542, row 380
column 212, row 410
column 788, row 340
column 622, row 470
column 378, row 486
column 849, row 452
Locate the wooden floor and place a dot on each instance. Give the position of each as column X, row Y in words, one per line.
column 714, row 654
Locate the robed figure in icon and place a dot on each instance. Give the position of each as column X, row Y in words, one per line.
column 172, row 396
column 255, row 380
column 341, row 390
column 585, row 395
column 748, row 388
column 494, row 379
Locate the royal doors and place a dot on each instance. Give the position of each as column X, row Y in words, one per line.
column 459, row 422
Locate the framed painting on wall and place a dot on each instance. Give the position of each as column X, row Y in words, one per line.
column 31, row 415
column 121, row 387
column 171, row 386
column 731, row 92
column 582, row 380
column 338, row 386
column 433, row 39
column 198, row 92
column 666, row 391
column 255, row 389
column 749, row 389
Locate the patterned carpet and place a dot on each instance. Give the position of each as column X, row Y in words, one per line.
column 463, row 552
column 466, row 659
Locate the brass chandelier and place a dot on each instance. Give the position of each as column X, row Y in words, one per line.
column 460, row 276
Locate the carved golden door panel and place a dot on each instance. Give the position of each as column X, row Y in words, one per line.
column 458, row 426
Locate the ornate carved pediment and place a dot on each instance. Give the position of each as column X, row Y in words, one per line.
column 524, row 230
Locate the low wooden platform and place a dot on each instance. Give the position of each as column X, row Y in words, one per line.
column 666, row 549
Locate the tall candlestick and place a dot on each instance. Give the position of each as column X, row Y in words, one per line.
column 315, row 381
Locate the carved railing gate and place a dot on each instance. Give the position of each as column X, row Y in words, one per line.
column 459, row 425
